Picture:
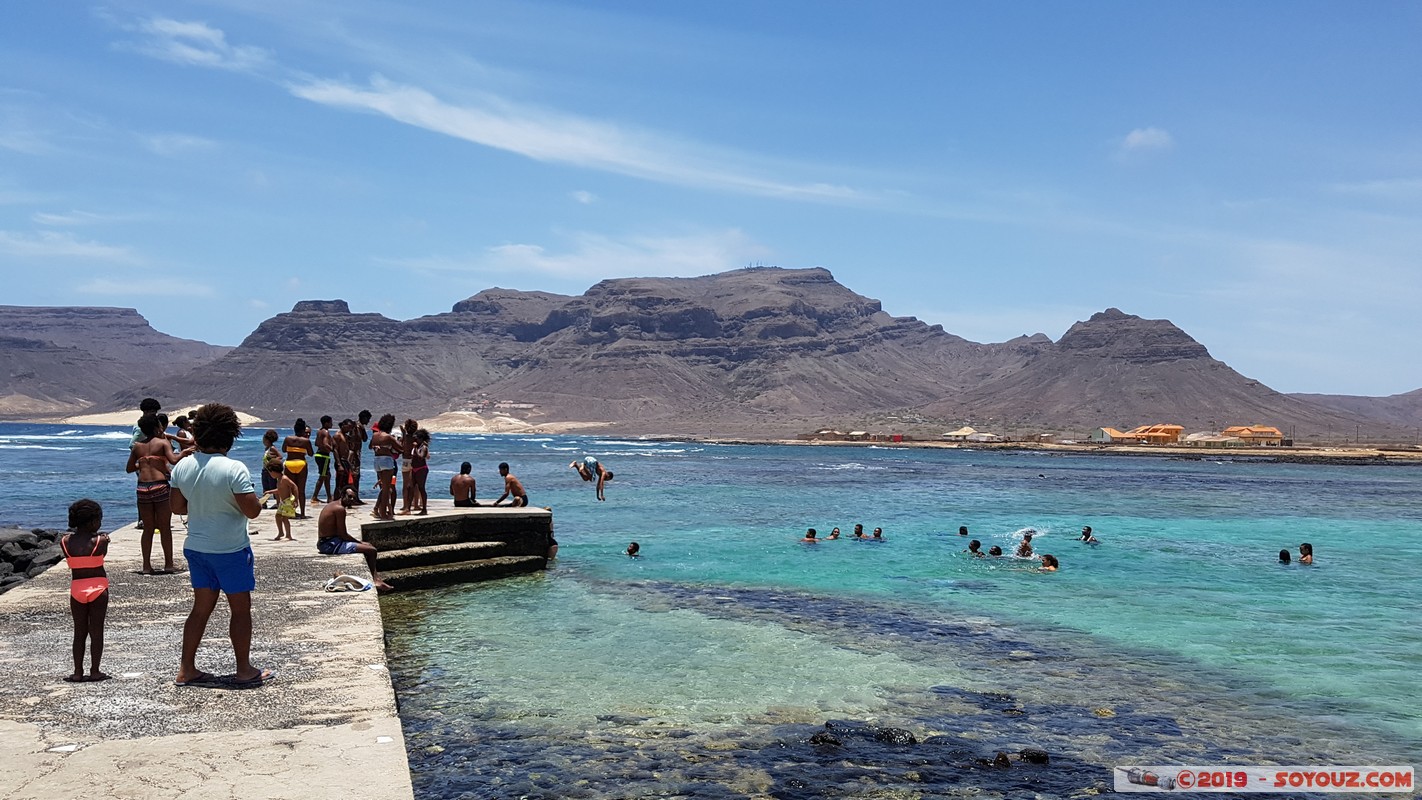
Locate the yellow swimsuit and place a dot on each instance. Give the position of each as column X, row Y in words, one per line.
column 296, row 465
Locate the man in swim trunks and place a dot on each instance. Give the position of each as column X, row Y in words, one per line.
column 334, row 540
column 355, row 440
column 152, row 458
column 324, row 445
column 588, row 469
column 461, row 487
column 512, row 488
column 216, row 493
column 341, row 450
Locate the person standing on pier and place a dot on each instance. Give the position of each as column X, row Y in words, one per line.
column 217, row 495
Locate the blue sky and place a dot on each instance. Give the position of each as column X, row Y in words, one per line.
column 1250, row 171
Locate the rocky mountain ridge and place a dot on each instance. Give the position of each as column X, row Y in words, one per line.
column 763, row 351
column 56, row 360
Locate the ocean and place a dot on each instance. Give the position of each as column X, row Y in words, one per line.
column 703, row 668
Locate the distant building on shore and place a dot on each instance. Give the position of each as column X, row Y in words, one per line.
column 1160, row 433
column 1256, row 435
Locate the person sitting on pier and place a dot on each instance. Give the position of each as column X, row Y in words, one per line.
column 590, row 469
column 461, row 487
column 513, row 488
column 334, row 540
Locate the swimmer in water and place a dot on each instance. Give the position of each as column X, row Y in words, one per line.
column 634, row 550
column 962, row 530
column 1284, row 557
column 995, row 551
column 1049, row 563
column 834, row 534
column 975, row 549
column 1305, row 553
column 810, row 536
column 1024, row 550
column 1087, row 537
column 859, row 532
column 878, row 535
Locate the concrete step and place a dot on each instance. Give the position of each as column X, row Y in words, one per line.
column 436, row 576
column 432, row 555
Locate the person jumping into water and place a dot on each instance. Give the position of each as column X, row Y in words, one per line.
column 590, row 469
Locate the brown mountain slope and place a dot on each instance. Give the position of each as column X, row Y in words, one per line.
column 1398, row 410
column 57, row 360
column 757, row 351
column 1119, row 370
column 656, row 351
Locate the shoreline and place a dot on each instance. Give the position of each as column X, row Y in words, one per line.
column 500, row 424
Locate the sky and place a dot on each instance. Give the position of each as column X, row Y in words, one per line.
column 1250, row 171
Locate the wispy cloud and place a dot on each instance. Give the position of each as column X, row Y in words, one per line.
column 55, row 245
column 1143, row 142
column 77, row 218
column 150, row 286
column 595, row 256
column 584, row 197
column 177, row 144
column 195, row 44
column 560, row 138
column 1386, row 189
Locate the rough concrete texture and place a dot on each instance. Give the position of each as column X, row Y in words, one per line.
column 326, row 727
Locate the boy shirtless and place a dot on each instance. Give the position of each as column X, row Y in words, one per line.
column 324, row 445
column 333, row 540
column 461, row 487
column 588, row 469
column 512, row 488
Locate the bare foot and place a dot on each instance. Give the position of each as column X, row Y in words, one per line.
column 98, row 676
column 383, row 587
column 278, row 538
column 77, row 677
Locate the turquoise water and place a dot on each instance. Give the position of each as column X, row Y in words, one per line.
column 703, row 667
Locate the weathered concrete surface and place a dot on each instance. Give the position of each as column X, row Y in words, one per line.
column 326, row 727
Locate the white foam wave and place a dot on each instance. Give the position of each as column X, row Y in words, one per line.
column 7, row 446
column 68, row 436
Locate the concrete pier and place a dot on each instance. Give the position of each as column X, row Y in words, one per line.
column 325, row 727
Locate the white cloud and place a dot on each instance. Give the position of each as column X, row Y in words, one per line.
column 552, row 137
column 149, row 286
column 177, row 144
column 1148, row 139
column 595, row 257
column 76, row 218
column 195, row 44
column 584, row 197
column 54, row 245
column 1143, row 142
column 1386, row 189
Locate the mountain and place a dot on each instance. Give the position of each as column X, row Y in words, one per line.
column 756, row 345
column 754, row 352
column 1117, row 369
column 1398, row 410
column 56, row 360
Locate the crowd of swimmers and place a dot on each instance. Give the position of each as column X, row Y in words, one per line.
column 812, row 536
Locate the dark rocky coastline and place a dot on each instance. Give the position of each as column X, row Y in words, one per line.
column 26, row 553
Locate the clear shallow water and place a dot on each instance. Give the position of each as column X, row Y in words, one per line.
column 703, row 667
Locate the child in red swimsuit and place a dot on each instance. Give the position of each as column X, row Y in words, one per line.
column 84, row 552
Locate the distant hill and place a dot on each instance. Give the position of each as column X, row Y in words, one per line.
column 56, row 360
column 749, row 352
column 1121, row 370
column 1398, row 410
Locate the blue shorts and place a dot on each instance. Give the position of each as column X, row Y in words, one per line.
column 384, row 463
column 231, row 573
column 335, row 546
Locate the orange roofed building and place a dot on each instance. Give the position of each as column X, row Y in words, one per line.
column 1258, row 435
column 1157, row 434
